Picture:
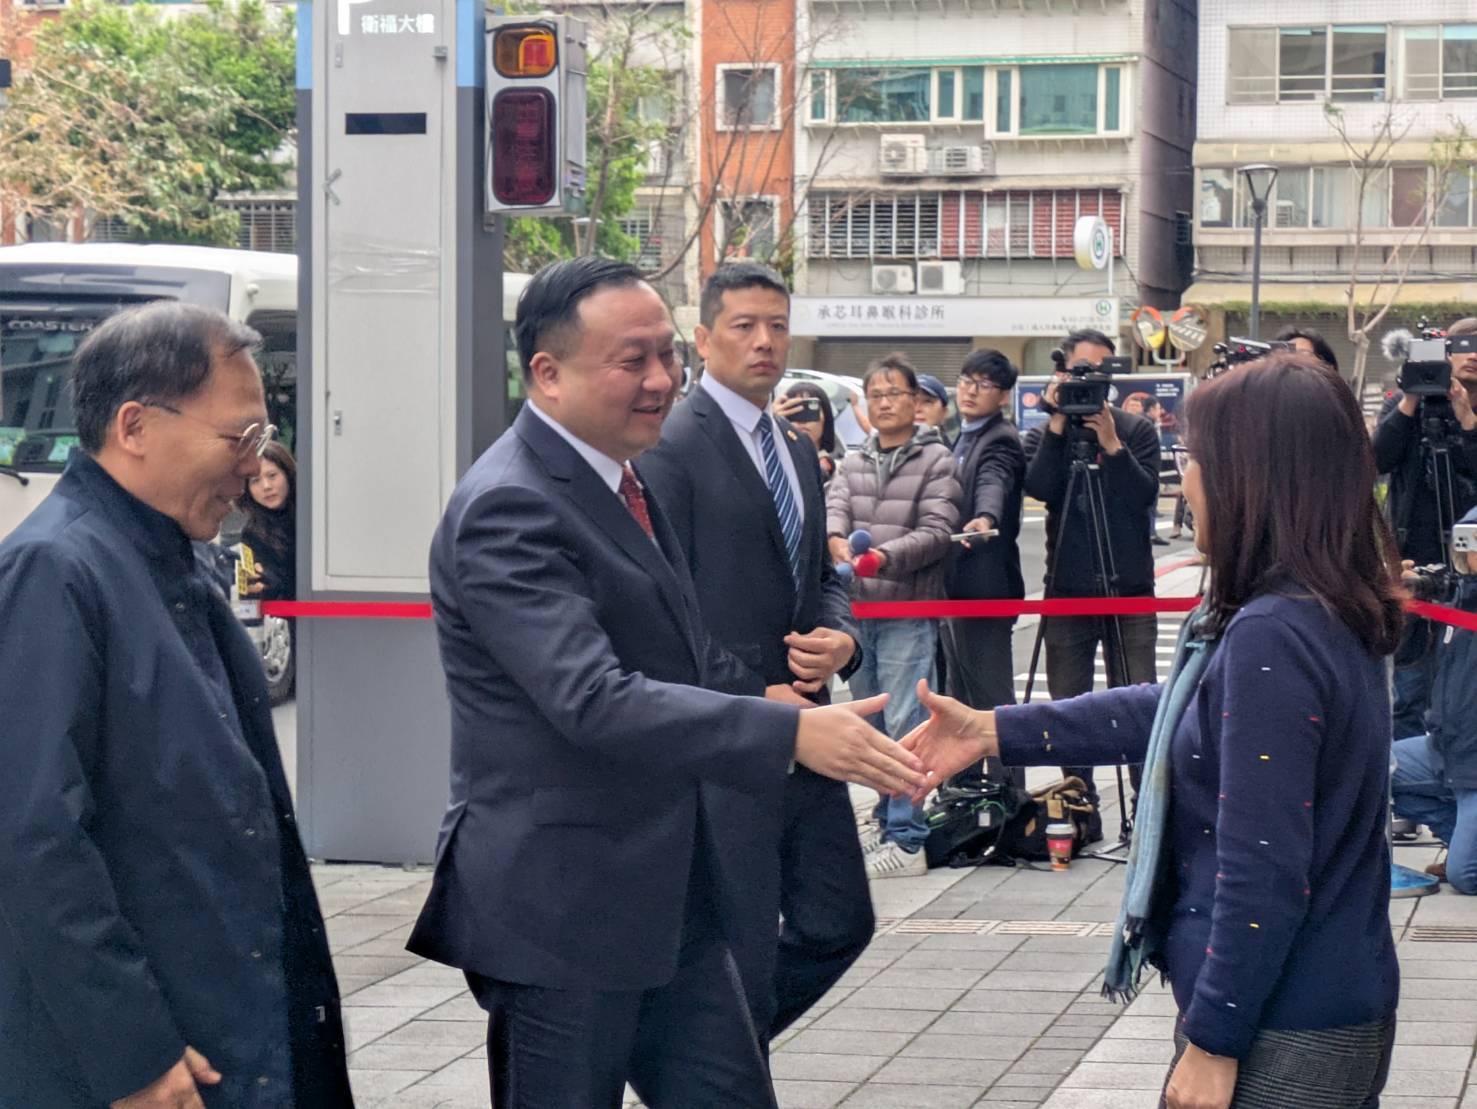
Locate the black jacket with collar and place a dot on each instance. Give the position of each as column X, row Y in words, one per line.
column 156, row 893
column 723, row 514
column 990, row 476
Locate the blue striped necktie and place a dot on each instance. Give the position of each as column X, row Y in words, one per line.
column 784, row 496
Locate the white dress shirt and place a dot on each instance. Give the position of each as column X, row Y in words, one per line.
column 606, row 468
column 745, row 417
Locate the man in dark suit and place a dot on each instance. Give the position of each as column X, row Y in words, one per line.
column 743, row 492
column 576, row 882
column 992, row 466
column 160, row 941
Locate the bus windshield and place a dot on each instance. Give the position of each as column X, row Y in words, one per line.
column 37, row 341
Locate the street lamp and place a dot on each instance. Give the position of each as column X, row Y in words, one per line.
column 1259, row 179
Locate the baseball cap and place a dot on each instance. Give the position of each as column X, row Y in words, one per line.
column 935, row 388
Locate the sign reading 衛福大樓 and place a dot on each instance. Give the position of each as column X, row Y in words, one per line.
column 1029, row 317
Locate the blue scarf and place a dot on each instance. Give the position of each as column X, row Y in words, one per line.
column 1137, row 940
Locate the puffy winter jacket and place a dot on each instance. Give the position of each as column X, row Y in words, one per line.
column 909, row 500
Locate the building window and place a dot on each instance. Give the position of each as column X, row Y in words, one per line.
column 960, row 224
column 1438, row 62
column 749, row 228
column 945, row 105
column 748, row 97
column 883, row 95
column 266, row 223
column 640, row 224
column 820, row 110
column 1327, row 198
column 974, row 93
column 1065, row 100
column 1217, row 197
column 1287, row 65
column 110, row 229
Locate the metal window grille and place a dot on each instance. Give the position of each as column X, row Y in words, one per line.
column 266, row 224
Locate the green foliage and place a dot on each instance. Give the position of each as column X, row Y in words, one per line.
column 132, row 112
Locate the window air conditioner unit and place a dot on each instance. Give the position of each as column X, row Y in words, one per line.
column 892, row 279
column 903, row 155
column 964, row 159
column 940, row 278
column 1286, row 210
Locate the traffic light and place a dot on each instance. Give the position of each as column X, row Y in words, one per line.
column 535, row 115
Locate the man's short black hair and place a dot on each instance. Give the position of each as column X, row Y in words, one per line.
column 895, row 363
column 731, row 277
column 1321, row 350
column 548, row 308
column 991, row 365
column 1082, row 335
column 162, row 351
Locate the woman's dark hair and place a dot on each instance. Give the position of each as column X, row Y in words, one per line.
column 548, row 308
column 896, row 363
column 828, row 418
column 162, row 351
column 274, row 527
column 1319, row 343
column 1288, row 467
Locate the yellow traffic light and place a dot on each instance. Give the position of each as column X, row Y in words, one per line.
column 526, row 51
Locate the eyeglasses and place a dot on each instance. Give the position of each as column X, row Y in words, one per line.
column 976, row 385
column 891, row 395
column 253, row 440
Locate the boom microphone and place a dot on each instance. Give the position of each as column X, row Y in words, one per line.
column 1396, row 345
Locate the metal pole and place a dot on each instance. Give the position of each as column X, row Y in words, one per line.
column 1258, row 211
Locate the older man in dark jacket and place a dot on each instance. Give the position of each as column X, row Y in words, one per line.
column 160, row 940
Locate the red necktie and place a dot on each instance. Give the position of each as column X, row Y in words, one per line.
column 630, row 491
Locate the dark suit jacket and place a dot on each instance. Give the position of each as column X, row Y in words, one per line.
column 583, row 749
column 155, row 893
column 990, row 476
column 724, row 517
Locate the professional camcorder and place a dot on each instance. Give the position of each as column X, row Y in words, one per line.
column 1438, row 583
column 1235, row 351
column 1424, row 367
column 1086, row 392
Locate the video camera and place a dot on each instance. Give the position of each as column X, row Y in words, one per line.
column 1437, row 583
column 1087, row 391
column 1235, row 351
column 1425, row 369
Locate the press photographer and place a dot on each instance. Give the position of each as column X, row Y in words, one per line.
column 1435, row 780
column 1426, row 441
column 1123, row 452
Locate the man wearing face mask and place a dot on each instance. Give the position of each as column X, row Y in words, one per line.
column 1126, row 454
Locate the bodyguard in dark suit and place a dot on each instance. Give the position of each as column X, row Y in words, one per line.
column 992, row 466
column 743, row 492
column 160, row 940
column 576, row 881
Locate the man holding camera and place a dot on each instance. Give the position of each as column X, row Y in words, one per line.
column 1405, row 425
column 1125, row 452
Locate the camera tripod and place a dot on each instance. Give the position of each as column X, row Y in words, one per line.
column 1435, row 447
column 1085, row 480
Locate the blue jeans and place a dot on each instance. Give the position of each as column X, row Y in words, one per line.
column 1421, row 794
column 895, row 655
column 1415, row 672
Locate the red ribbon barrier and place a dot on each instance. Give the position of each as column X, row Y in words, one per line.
column 870, row 610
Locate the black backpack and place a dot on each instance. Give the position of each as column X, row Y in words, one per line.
column 997, row 823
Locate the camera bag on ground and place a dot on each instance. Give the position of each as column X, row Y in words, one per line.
column 964, row 821
column 1024, row 835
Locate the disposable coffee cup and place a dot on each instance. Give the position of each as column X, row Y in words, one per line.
column 1059, row 839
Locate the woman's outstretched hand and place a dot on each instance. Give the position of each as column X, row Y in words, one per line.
column 954, row 736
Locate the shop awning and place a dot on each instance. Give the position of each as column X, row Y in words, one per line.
column 1279, row 296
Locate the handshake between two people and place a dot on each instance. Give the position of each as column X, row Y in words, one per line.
column 837, row 742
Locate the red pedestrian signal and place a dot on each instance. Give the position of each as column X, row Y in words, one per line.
column 535, row 115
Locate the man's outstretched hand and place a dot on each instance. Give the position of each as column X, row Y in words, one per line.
column 835, row 741
column 954, row 736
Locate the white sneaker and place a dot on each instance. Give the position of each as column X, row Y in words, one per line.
column 891, row 861
column 870, row 834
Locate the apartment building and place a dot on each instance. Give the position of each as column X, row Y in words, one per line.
column 945, row 153
column 1271, row 74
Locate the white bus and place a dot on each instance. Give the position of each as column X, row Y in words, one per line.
column 53, row 294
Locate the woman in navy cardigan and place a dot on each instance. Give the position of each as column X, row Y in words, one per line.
column 1271, row 901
